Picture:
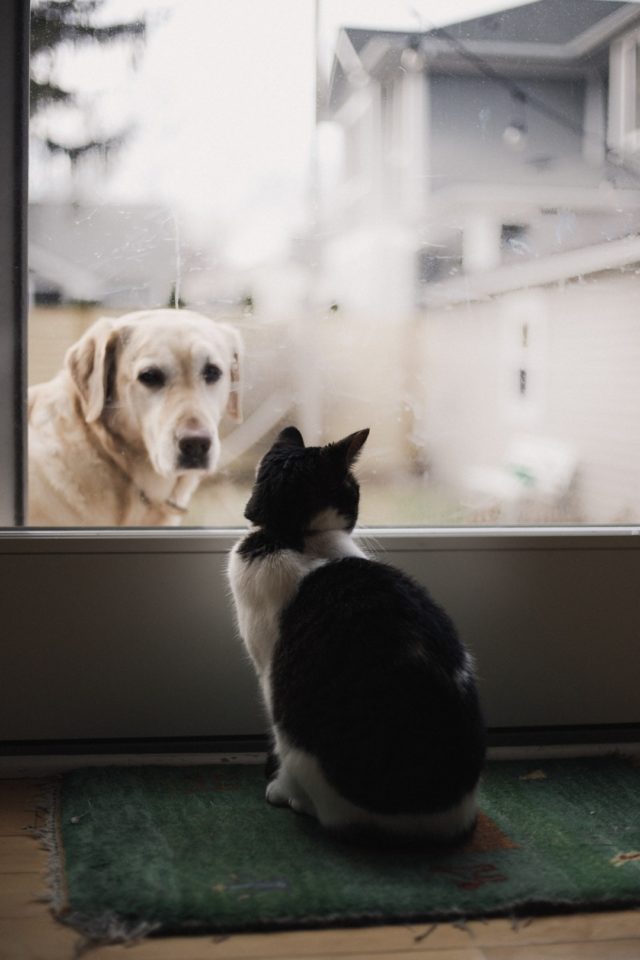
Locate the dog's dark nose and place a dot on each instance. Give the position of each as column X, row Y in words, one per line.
column 194, row 449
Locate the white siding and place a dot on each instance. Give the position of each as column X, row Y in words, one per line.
column 583, row 363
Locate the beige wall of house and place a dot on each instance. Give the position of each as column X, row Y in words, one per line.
column 51, row 331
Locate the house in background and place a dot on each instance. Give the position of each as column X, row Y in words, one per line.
column 120, row 256
column 492, row 141
column 487, row 199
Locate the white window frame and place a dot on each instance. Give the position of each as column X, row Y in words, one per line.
column 624, row 63
column 127, row 636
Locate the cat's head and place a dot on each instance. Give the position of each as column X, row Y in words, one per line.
column 300, row 489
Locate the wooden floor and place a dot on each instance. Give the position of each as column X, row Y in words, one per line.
column 28, row 932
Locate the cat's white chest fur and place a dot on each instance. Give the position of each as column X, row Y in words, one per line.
column 262, row 586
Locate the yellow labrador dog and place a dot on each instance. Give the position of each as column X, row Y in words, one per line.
column 124, row 433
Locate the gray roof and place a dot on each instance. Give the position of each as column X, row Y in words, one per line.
column 543, row 21
column 549, row 33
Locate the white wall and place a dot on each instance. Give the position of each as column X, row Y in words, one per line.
column 582, row 358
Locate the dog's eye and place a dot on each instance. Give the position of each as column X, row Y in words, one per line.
column 211, row 373
column 152, row 377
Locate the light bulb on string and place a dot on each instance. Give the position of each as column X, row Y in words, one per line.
column 515, row 133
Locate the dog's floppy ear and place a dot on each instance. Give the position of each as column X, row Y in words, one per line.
column 234, row 403
column 91, row 363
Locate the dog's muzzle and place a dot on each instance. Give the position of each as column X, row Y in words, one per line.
column 193, row 451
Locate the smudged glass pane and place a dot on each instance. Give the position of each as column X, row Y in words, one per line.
column 419, row 217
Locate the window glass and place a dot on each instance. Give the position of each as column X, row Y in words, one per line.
column 405, row 216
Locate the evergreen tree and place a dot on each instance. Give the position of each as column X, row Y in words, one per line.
column 58, row 22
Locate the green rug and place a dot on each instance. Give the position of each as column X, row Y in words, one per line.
column 165, row 849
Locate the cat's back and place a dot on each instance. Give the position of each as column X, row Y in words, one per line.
column 369, row 675
column 371, row 605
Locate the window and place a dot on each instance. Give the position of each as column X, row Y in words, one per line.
column 347, row 201
column 469, row 364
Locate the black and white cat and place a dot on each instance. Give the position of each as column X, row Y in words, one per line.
column 371, row 695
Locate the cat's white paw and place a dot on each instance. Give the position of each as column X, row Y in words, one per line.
column 275, row 795
column 279, row 795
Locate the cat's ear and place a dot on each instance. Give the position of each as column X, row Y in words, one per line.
column 290, row 437
column 348, row 450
